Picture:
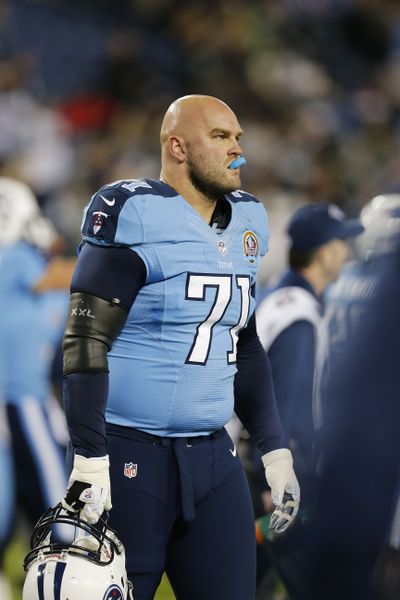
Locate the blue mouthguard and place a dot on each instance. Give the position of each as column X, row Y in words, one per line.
column 238, row 162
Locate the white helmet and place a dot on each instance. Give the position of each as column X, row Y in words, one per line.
column 92, row 567
column 18, row 206
column 381, row 219
column 40, row 232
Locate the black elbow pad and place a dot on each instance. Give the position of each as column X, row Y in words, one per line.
column 92, row 326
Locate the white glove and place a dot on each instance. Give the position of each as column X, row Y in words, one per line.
column 88, row 490
column 285, row 490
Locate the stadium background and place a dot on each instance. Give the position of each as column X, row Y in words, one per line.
column 315, row 83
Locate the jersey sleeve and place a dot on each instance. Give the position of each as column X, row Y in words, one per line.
column 255, row 402
column 254, row 214
column 263, row 225
column 294, row 351
column 112, row 218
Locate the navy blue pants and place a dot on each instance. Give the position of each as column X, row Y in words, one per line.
column 183, row 506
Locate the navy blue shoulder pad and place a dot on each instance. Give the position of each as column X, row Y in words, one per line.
column 103, row 215
column 241, row 196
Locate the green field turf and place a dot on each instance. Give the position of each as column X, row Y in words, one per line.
column 15, row 572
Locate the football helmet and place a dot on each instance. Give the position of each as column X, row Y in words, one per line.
column 381, row 219
column 40, row 232
column 18, row 206
column 91, row 567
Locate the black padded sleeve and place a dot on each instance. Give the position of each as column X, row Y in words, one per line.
column 92, row 326
column 107, row 274
column 255, row 403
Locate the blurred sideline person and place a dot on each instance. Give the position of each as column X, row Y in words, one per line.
column 159, row 347
column 356, row 519
column 7, row 495
column 386, row 575
column 33, row 308
column 288, row 321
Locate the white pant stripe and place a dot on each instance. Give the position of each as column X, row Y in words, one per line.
column 46, row 454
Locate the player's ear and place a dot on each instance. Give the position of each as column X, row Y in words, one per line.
column 321, row 255
column 324, row 254
column 177, row 148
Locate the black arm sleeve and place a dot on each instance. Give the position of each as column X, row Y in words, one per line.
column 295, row 346
column 85, row 399
column 255, row 403
column 107, row 273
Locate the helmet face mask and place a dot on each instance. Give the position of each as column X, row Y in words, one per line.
column 92, row 566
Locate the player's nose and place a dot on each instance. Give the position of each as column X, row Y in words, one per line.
column 236, row 148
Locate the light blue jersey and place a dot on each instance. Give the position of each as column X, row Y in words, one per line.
column 173, row 364
column 30, row 324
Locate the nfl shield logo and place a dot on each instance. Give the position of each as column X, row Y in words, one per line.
column 130, row 470
column 222, row 248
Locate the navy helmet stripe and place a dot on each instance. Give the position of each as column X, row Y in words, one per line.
column 40, row 581
column 58, row 575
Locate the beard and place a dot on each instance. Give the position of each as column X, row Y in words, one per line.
column 208, row 181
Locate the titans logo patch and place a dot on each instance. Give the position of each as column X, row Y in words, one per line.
column 113, row 593
column 98, row 220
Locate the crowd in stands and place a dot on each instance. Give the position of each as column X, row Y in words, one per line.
column 84, row 85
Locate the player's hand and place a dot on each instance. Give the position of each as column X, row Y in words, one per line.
column 285, row 490
column 88, row 490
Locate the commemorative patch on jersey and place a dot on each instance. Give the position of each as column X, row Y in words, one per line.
column 114, row 593
column 250, row 246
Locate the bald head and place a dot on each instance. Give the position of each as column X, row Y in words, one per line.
column 199, row 140
column 189, row 112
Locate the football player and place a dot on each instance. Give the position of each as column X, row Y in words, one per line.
column 288, row 321
column 360, row 410
column 159, row 348
column 33, row 304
